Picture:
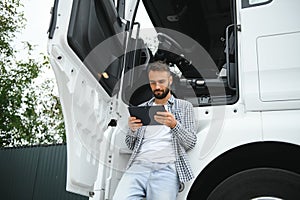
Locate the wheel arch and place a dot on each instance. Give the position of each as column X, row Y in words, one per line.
column 253, row 155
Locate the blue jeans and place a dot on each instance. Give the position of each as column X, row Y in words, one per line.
column 148, row 180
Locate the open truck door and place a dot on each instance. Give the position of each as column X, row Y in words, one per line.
column 87, row 41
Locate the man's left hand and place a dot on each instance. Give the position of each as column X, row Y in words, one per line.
column 165, row 118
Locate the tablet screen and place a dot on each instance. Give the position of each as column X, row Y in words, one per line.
column 146, row 113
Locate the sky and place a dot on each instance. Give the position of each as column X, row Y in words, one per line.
column 37, row 13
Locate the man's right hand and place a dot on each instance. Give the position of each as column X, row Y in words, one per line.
column 134, row 123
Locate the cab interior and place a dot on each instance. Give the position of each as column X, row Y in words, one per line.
column 197, row 38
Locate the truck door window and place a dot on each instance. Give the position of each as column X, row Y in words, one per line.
column 91, row 23
column 253, row 2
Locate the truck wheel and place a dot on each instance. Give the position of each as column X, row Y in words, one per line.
column 259, row 184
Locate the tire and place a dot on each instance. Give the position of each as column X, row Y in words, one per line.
column 259, row 184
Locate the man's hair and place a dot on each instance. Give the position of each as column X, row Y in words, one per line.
column 159, row 66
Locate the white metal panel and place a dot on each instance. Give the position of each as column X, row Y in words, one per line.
column 130, row 8
column 277, row 17
column 279, row 67
column 86, row 115
column 282, row 126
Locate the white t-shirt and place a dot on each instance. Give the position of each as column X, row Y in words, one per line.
column 157, row 145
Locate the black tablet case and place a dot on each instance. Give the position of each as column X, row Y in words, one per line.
column 146, row 113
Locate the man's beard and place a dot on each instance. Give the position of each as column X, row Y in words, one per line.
column 162, row 95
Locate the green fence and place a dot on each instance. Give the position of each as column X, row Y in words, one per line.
column 35, row 173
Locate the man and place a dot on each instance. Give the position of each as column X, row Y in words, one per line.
column 159, row 162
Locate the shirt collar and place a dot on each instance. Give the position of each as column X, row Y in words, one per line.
column 170, row 101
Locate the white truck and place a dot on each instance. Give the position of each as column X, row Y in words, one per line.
column 236, row 61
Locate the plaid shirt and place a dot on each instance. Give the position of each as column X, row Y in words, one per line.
column 183, row 136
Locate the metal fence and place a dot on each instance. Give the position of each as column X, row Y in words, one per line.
column 35, row 173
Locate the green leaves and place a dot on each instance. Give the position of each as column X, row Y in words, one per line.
column 30, row 112
column 11, row 22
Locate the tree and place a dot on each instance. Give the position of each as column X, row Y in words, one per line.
column 29, row 113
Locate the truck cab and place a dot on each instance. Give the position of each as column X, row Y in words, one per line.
column 236, row 61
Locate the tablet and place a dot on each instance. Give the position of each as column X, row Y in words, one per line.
column 146, row 113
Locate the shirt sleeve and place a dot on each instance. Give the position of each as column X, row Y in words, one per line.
column 130, row 139
column 184, row 130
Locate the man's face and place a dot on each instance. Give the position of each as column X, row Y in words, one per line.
column 160, row 82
